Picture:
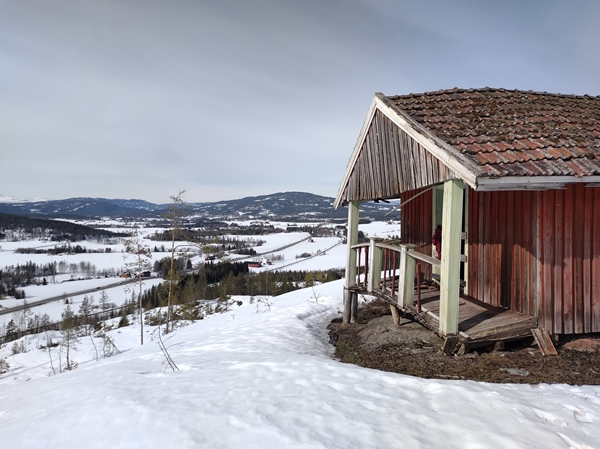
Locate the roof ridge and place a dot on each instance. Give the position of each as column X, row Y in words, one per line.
column 490, row 89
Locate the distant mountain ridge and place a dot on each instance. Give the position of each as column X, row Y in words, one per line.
column 297, row 206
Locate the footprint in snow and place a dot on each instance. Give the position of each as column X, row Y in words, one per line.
column 581, row 415
column 549, row 418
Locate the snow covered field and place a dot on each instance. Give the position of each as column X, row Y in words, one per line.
column 266, row 379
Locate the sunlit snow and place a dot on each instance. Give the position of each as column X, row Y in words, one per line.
column 254, row 378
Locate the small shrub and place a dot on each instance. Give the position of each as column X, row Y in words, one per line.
column 4, row 366
column 124, row 321
column 71, row 366
column 18, row 347
column 155, row 319
column 261, row 301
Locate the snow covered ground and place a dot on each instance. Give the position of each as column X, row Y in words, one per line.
column 268, row 380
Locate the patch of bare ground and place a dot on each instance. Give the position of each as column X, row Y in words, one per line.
column 409, row 348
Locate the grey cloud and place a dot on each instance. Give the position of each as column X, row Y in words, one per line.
column 137, row 98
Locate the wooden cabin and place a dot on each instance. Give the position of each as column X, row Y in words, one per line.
column 513, row 178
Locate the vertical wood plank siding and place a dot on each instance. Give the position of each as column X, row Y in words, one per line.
column 416, row 224
column 538, row 253
column 570, row 259
column 391, row 162
column 502, row 257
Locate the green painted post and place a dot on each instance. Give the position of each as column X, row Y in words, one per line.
column 352, row 239
column 450, row 270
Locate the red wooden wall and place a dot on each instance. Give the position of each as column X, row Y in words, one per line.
column 569, row 255
column 538, row 253
column 501, row 255
column 416, row 223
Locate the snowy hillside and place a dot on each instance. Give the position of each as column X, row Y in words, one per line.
column 256, row 378
column 267, row 380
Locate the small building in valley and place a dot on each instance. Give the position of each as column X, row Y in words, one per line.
column 513, row 178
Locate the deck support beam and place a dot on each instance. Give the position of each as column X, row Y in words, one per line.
column 351, row 239
column 451, row 246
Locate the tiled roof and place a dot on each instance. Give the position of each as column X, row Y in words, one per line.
column 511, row 132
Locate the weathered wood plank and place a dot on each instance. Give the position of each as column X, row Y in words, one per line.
column 595, row 295
column 551, row 248
column 395, row 314
column 505, row 326
column 375, row 260
column 587, row 280
column 406, row 279
column 425, row 258
column 450, row 344
column 578, row 213
column 567, row 262
column 544, row 342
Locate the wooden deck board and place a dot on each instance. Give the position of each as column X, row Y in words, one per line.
column 476, row 320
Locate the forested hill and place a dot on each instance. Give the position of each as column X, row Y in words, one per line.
column 30, row 225
column 293, row 206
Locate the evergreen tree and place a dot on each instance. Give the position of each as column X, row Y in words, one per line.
column 68, row 335
column 85, row 311
column 104, row 300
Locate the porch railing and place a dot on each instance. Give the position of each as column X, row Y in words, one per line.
column 390, row 268
column 362, row 263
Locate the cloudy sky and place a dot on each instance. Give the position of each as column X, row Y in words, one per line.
column 232, row 98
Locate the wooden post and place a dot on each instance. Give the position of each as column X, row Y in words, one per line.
column 406, row 278
column 438, row 202
column 395, row 315
column 375, row 260
column 354, row 307
column 351, row 239
column 450, row 270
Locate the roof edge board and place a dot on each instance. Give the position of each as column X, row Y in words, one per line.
column 447, row 154
column 354, row 156
column 532, row 182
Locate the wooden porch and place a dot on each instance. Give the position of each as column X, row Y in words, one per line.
column 391, row 272
column 479, row 324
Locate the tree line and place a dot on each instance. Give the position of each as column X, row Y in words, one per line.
column 224, row 279
column 19, row 227
column 21, row 275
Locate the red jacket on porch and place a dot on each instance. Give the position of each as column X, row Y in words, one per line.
column 437, row 241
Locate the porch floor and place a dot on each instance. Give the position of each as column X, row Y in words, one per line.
column 478, row 323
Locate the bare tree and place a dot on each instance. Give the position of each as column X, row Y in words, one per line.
column 104, row 299
column 139, row 255
column 176, row 213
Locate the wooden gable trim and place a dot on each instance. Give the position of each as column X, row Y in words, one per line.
column 355, row 152
column 391, row 162
column 452, row 158
column 447, row 156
